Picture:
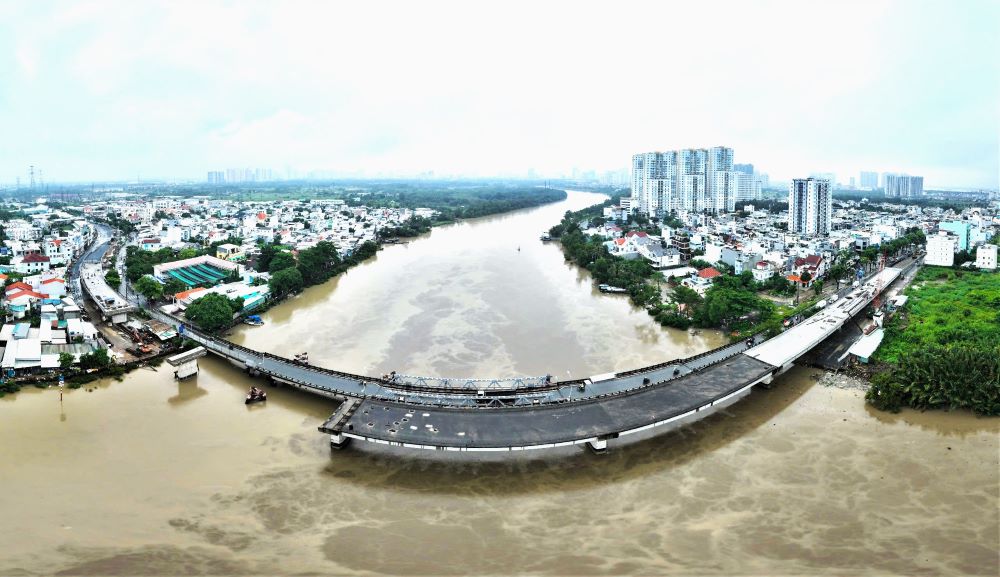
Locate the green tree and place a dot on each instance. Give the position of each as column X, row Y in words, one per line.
column 317, row 263
column 211, row 312
column 187, row 253
column 686, row 296
column 267, row 252
column 66, row 361
column 818, row 287
column 97, row 359
column 837, row 272
column 285, row 281
column 112, row 278
column 806, row 277
column 149, row 287
column 728, row 306
column 281, row 261
column 174, row 286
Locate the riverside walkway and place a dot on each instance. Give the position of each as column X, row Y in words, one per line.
column 537, row 413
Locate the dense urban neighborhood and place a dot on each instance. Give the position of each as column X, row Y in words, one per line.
column 81, row 279
column 77, row 279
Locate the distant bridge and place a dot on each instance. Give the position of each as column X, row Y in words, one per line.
column 526, row 413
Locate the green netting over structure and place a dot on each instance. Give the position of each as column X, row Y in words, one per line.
column 198, row 274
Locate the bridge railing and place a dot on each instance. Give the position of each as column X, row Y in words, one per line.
column 738, row 347
column 491, row 387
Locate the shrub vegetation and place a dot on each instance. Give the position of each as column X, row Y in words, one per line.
column 943, row 349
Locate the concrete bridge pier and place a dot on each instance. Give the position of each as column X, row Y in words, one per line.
column 598, row 446
column 339, row 441
column 187, row 362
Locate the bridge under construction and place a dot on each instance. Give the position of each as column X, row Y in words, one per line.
column 530, row 413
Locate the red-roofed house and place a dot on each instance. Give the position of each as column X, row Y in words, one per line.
column 58, row 250
column 16, row 286
column 628, row 246
column 150, row 244
column 813, row 264
column 30, row 263
column 762, row 271
column 190, row 295
column 619, row 247
column 702, row 281
column 20, row 301
column 53, row 288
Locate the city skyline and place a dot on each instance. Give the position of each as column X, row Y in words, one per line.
column 109, row 91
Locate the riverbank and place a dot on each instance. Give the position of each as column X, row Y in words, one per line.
column 942, row 349
column 463, row 301
column 318, row 264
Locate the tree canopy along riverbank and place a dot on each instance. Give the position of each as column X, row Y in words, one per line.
column 732, row 303
column 452, row 204
column 292, row 270
column 943, row 349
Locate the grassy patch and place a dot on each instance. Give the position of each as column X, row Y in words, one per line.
column 943, row 349
column 945, row 307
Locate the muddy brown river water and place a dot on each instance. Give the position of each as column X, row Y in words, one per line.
column 148, row 476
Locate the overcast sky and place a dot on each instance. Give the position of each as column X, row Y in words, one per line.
column 109, row 90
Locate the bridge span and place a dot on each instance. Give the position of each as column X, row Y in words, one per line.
column 528, row 413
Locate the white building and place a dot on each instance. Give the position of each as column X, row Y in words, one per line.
column 21, row 230
column 986, row 256
column 810, row 206
column 903, row 186
column 694, row 179
column 941, row 249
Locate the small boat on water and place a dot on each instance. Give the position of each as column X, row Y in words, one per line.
column 254, row 321
column 255, row 396
column 545, row 237
column 606, row 288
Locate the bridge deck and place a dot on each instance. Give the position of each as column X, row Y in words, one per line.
column 796, row 341
column 546, row 425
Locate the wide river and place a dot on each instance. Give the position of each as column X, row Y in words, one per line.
column 149, row 476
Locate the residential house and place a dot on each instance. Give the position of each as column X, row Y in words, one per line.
column 30, row 263
column 763, row 270
column 702, row 280
column 151, row 243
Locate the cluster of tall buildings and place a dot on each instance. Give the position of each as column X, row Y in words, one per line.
column 894, row 185
column 903, row 186
column 234, row 175
column 869, row 180
column 810, row 206
column 692, row 179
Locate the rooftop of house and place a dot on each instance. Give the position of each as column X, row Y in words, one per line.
column 185, row 294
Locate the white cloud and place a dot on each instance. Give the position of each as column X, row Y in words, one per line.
column 177, row 88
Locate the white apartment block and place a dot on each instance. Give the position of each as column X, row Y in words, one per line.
column 692, row 179
column 21, row 230
column 986, row 256
column 903, row 186
column 941, row 249
column 810, row 206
